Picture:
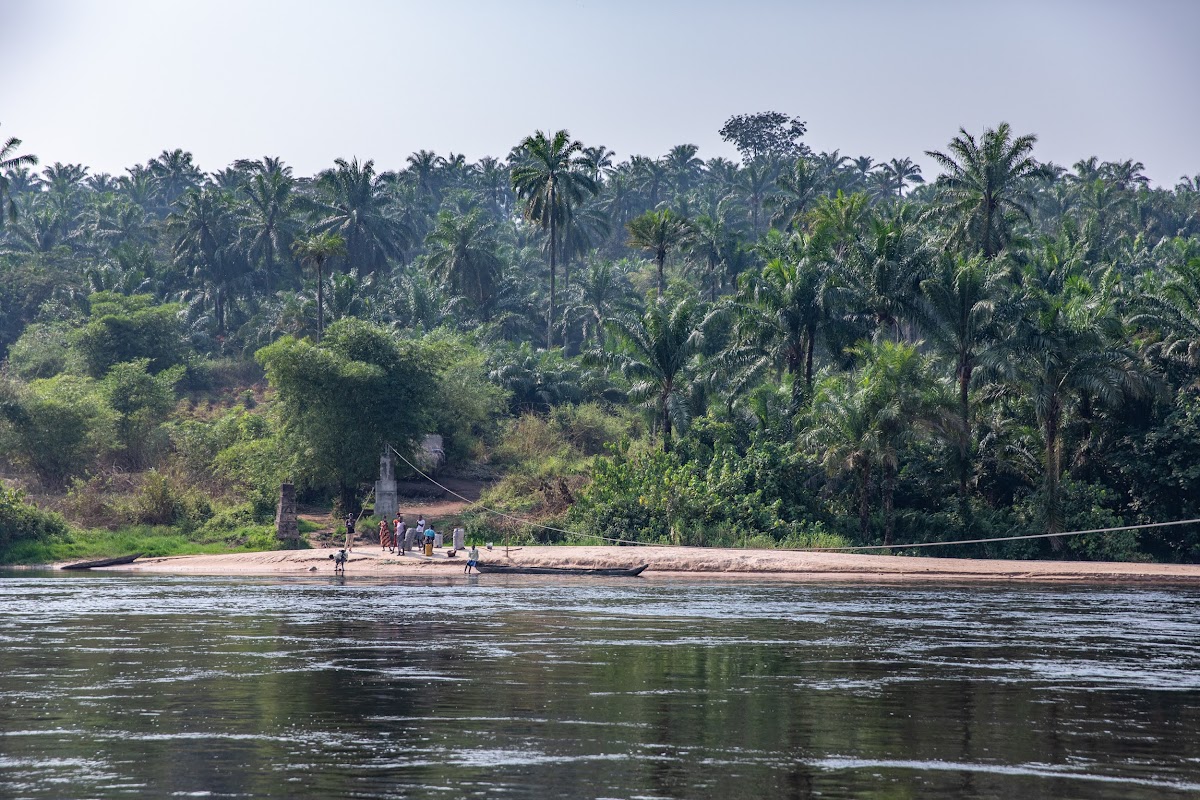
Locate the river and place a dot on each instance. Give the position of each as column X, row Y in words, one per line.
column 119, row 686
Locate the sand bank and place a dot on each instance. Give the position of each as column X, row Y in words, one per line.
column 677, row 562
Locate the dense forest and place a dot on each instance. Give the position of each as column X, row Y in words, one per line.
column 798, row 348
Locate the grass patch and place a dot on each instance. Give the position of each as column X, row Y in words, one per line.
column 149, row 540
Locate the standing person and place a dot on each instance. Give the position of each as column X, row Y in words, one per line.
column 420, row 525
column 349, row 533
column 472, row 560
column 385, row 536
column 399, row 531
column 459, row 539
column 408, row 535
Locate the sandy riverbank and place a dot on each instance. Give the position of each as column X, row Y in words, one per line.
column 677, row 562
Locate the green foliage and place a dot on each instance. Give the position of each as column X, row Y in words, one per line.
column 656, row 497
column 343, row 399
column 59, row 426
column 122, row 329
column 141, row 402
column 20, row 520
column 43, row 351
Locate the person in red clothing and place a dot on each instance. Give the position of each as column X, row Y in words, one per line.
column 385, row 535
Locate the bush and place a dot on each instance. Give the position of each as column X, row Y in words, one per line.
column 21, row 521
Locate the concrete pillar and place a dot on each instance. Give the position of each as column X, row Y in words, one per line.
column 386, row 500
column 287, row 530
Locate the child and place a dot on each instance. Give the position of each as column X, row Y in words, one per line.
column 472, row 560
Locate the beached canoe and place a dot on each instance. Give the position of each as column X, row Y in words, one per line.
column 104, row 562
column 507, row 569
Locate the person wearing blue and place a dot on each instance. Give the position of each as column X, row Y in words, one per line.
column 430, row 535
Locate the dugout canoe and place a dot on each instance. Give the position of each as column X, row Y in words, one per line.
column 104, row 562
column 505, row 569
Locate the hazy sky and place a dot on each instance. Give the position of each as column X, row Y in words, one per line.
column 114, row 83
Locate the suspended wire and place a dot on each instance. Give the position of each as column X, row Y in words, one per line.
column 533, row 524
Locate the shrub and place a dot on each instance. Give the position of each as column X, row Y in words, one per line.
column 21, row 521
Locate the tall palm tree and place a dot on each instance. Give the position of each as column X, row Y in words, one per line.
column 314, row 250
column 660, row 232
column 10, row 161
column 464, row 251
column 269, row 218
column 552, row 173
column 756, row 179
column 658, row 354
column 174, row 173
column 683, row 167
column 987, row 188
column 960, row 313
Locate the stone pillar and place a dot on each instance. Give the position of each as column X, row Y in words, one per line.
column 386, row 501
column 287, row 530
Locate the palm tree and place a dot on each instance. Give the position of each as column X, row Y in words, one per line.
column 658, row 354
column 755, row 182
column 779, row 316
column 900, row 172
column 464, row 251
column 886, row 266
column 960, row 314
column 860, row 425
column 356, row 208
column 683, row 167
column 986, row 189
column 314, row 250
column 552, row 174
column 1067, row 345
column 660, row 232
column 797, row 188
column 269, row 220
column 602, row 291
column 174, row 173
column 10, row 161
column 203, row 231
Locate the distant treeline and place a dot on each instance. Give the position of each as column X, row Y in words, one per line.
column 797, row 345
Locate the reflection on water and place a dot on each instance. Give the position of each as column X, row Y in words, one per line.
column 120, row 686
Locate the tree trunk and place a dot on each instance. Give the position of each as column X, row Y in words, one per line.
column 864, row 506
column 889, row 495
column 660, row 261
column 810, row 345
column 964, row 444
column 320, row 303
column 553, row 265
column 1053, row 512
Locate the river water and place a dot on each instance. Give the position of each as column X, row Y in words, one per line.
column 120, row 686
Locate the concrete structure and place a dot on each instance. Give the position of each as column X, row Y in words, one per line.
column 386, row 500
column 287, row 529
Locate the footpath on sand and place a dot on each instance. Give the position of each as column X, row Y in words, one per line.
column 674, row 563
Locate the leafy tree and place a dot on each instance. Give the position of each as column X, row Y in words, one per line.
column 122, row 329
column 660, row 232
column 269, row 220
column 340, row 401
column 313, row 251
column 21, row 520
column 766, row 134
column 550, row 175
column 203, row 230
column 59, row 426
column 141, row 402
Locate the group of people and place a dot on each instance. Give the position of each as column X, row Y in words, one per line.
column 399, row 539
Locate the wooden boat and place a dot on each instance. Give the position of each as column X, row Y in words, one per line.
column 513, row 569
column 104, row 562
